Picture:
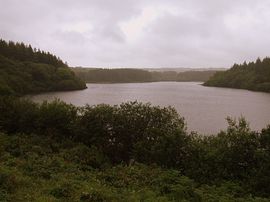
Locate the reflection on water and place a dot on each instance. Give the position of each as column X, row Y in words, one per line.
column 204, row 108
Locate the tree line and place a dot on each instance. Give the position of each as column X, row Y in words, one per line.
column 251, row 76
column 25, row 70
column 98, row 75
column 22, row 52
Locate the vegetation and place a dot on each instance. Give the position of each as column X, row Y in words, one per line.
column 196, row 75
column 129, row 152
column 112, row 75
column 95, row 75
column 252, row 76
column 25, row 70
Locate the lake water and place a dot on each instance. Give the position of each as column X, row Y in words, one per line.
column 204, row 108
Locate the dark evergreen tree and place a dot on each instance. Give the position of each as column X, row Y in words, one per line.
column 22, row 52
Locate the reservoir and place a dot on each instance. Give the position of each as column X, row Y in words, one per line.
column 204, row 108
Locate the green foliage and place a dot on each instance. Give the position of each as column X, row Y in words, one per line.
column 53, row 175
column 119, row 130
column 87, row 157
column 122, row 132
column 17, row 115
column 251, row 76
column 22, row 73
column 127, row 152
column 232, row 154
column 57, row 118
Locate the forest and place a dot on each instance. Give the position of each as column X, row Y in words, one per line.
column 122, row 75
column 128, row 152
column 253, row 76
column 24, row 70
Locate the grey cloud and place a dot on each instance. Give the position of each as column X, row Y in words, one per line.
column 189, row 33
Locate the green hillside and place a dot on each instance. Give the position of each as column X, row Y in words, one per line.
column 97, row 75
column 24, row 70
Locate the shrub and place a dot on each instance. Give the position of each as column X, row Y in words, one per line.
column 57, row 118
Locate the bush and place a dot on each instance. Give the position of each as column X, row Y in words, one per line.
column 17, row 115
column 121, row 130
column 57, row 118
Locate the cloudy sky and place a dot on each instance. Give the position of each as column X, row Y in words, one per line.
column 137, row 33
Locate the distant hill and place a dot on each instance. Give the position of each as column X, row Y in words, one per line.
column 196, row 75
column 182, row 69
column 93, row 75
column 252, row 76
column 26, row 70
column 98, row 75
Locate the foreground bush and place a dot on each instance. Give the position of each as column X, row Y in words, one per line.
column 122, row 132
column 103, row 138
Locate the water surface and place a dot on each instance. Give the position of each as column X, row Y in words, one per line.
column 204, row 108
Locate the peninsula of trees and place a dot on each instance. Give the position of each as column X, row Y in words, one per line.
column 26, row 70
column 253, row 76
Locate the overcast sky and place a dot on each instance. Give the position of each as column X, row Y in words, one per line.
column 137, row 33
